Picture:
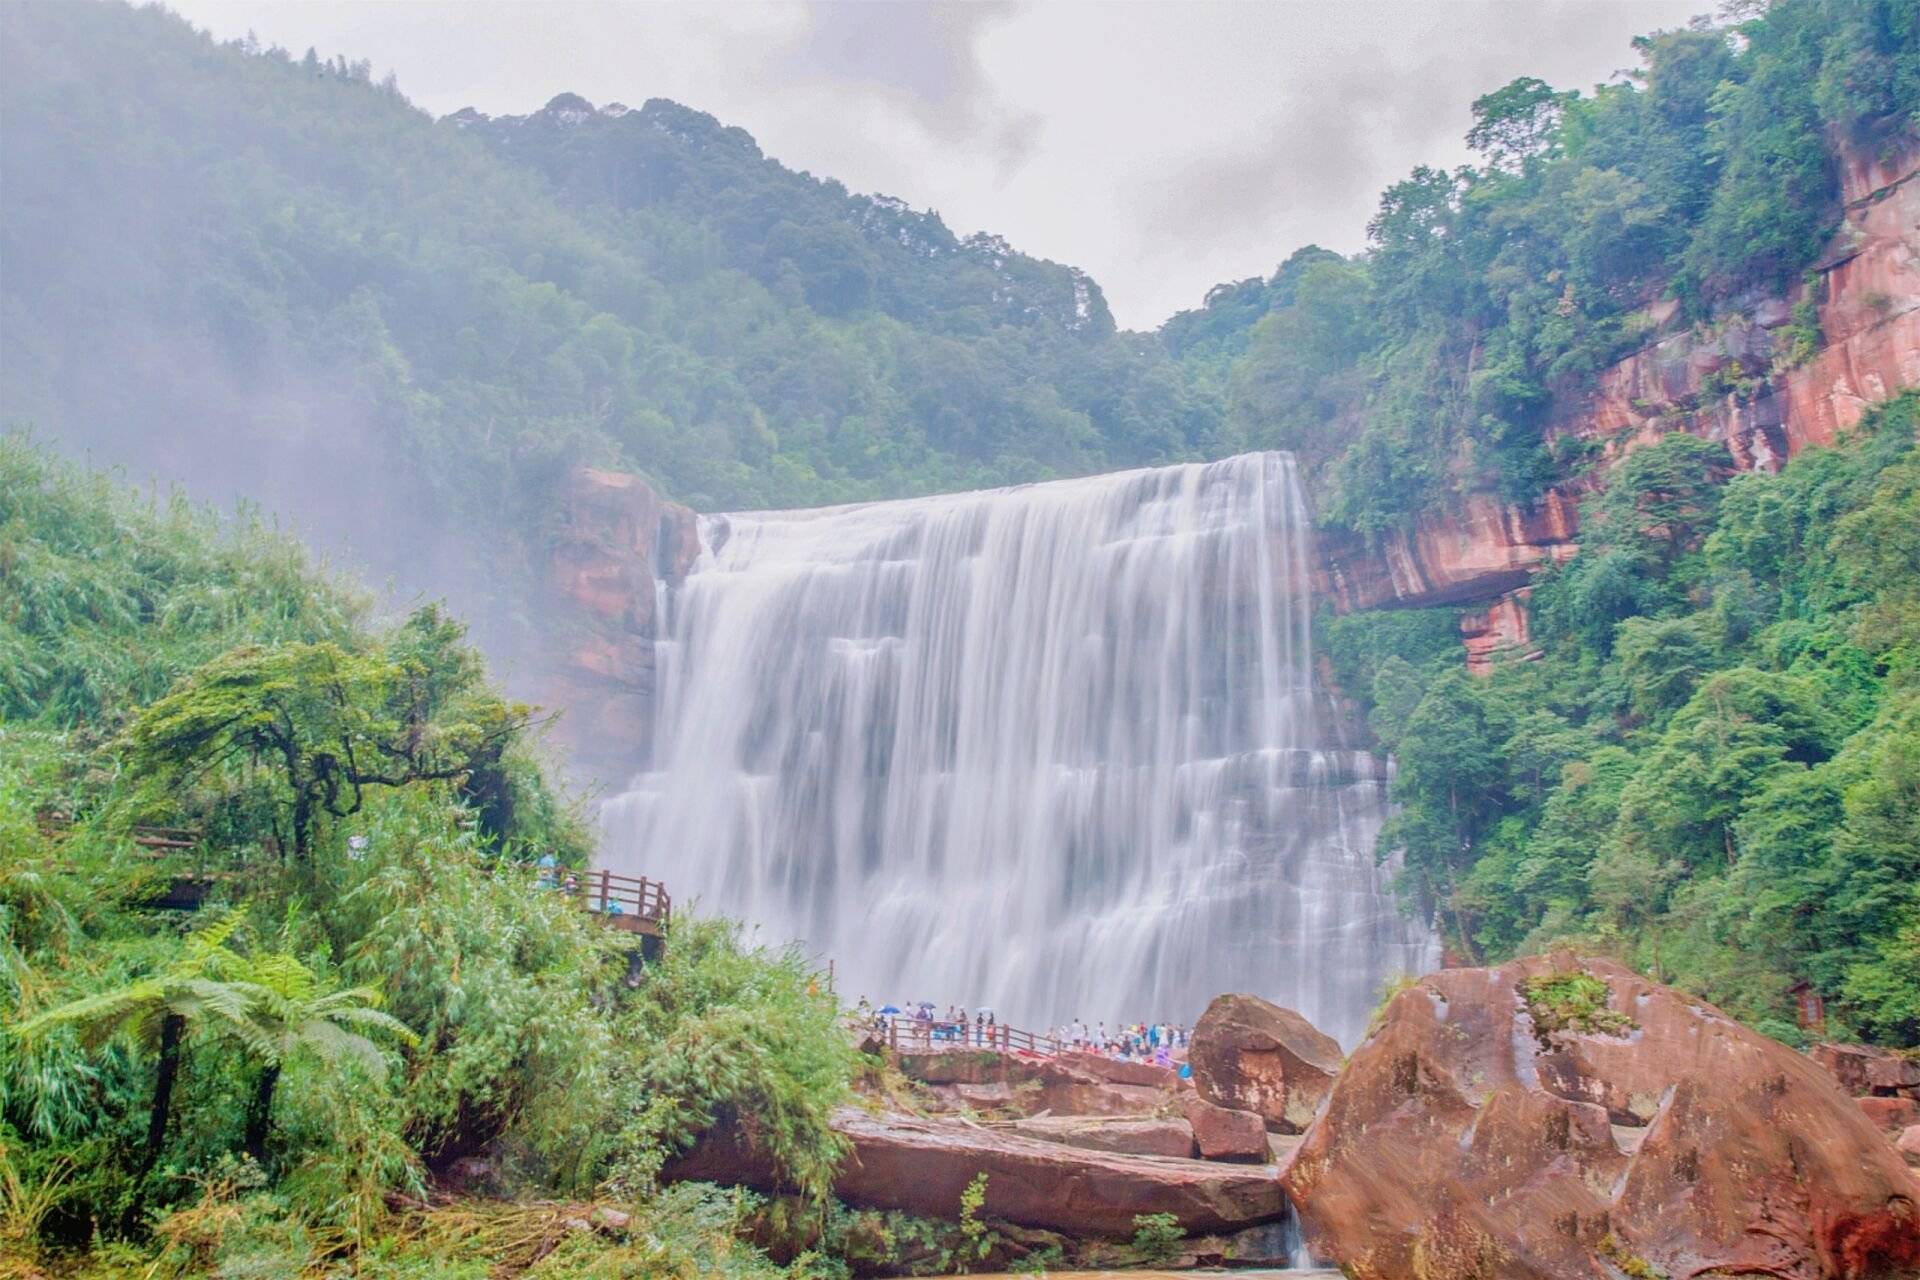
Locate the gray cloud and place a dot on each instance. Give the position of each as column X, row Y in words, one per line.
column 925, row 58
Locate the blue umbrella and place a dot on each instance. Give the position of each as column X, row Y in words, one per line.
column 889, row 1009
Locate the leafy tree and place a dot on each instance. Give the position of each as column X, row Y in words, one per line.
column 160, row 1012
column 330, row 723
column 291, row 1011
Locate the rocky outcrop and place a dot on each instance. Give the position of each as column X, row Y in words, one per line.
column 1222, row 1133
column 618, row 541
column 1502, row 632
column 1744, row 380
column 1867, row 1072
column 1072, row 1084
column 1137, row 1136
column 922, row 1166
column 1474, row 553
column 1653, row 1135
column 1908, row 1144
column 1250, row 1054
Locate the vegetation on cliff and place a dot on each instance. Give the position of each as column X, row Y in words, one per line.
column 1713, row 770
column 1427, row 365
column 377, row 986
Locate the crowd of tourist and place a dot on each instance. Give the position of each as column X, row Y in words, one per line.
column 1164, row 1043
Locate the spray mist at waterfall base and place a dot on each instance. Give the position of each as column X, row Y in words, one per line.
column 1056, row 749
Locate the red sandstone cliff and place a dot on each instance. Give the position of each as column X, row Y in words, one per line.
column 1730, row 381
column 618, row 541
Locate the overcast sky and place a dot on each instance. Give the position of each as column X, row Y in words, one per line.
column 1164, row 147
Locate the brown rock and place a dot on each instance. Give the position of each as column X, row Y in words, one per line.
column 1456, row 1145
column 922, row 1166
column 1117, row 1071
column 1249, row 1054
column 1908, row 1144
column 616, row 540
column 1221, row 1133
column 1863, row 1070
column 1889, row 1115
column 1126, row 1134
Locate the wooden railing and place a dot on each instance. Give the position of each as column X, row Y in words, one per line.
column 633, row 903
column 914, row 1035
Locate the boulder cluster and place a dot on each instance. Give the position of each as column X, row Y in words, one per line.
column 1555, row 1116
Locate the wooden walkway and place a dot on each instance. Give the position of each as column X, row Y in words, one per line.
column 631, row 903
column 914, row 1035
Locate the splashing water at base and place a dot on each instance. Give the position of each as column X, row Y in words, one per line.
column 1054, row 749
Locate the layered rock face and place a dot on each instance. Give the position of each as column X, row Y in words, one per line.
column 1250, row 1054
column 922, row 1166
column 1464, row 1140
column 618, row 541
column 1730, row 382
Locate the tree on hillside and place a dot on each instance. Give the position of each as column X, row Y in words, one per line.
column 329, row 724
column 291, row 1011
column 160, row 1012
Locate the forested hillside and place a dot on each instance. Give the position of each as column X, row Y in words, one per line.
column 1427, row 366
column 265, row 273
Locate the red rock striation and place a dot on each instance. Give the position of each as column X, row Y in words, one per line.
column 618, row 541
column 1499, row 633
column 922, row 1166
column 1463, row 1140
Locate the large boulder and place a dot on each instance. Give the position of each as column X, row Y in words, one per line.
column 1565, row 1117
column 922, row 1166
column 1249, row 1054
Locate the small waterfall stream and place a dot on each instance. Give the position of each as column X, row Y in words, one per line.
column 1055, row 749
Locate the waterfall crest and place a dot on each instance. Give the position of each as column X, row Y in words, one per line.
column 1055, row 749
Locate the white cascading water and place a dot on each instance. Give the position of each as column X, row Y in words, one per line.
column 1054, row 749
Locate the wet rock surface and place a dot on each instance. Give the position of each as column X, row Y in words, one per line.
column 1461, row 1141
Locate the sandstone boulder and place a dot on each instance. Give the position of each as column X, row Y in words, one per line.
column 1864, row 1071
column 1650, row 1133
column 1125, row 1134
column 1249, row 1054
column 1221, row 1133
column 922, row 1166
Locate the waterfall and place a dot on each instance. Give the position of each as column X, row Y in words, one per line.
column 1055, row 749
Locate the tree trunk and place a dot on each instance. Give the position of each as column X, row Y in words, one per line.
column 172, row 1028
column 260, row 1114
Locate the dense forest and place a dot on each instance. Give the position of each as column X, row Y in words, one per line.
column 415, row 325
column 401, row 332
